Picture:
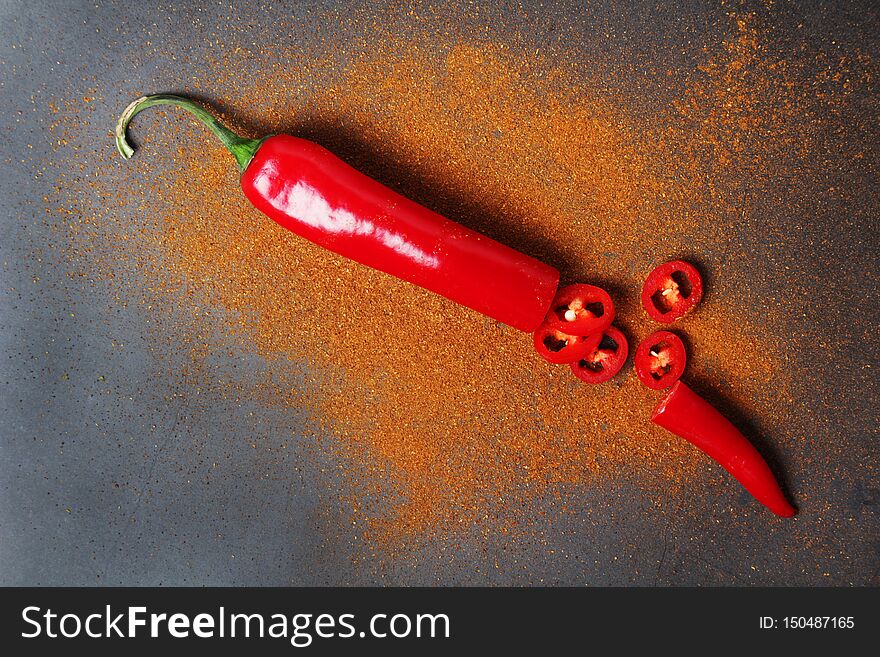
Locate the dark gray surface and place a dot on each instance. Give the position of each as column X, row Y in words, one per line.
column 108, row 465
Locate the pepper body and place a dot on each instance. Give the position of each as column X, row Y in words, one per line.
column 313, row 193
column 686, row 414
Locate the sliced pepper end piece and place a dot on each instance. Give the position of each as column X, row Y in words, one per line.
column 685, row 413
column 785, row 511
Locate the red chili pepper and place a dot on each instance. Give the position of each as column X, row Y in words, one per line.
column 311, row 192
column 660, row 360
column 562, row 348
column 605, row 360
column 686, row 414
column 671, row 291
column 581, row 309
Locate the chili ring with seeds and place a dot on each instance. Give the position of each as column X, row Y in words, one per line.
column 671, row 291
column 605, row 360
column 660, row 360
column 581, row 309
column 560, row 348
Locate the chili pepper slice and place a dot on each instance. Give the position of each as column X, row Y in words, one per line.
column 605, row 359
column 686, row 414
column 314, row 194
column 581, row 309
column 671, row 291
column 562, row 348
column 660, row 360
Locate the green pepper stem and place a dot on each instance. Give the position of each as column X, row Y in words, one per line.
column 242, row 148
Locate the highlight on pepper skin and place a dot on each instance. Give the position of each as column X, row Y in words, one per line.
column 304, row 201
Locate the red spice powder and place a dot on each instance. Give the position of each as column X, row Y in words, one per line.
column 445, row 416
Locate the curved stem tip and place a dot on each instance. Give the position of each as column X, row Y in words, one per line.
column 242, row 148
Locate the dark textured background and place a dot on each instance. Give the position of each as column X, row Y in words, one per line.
column 65, row 445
